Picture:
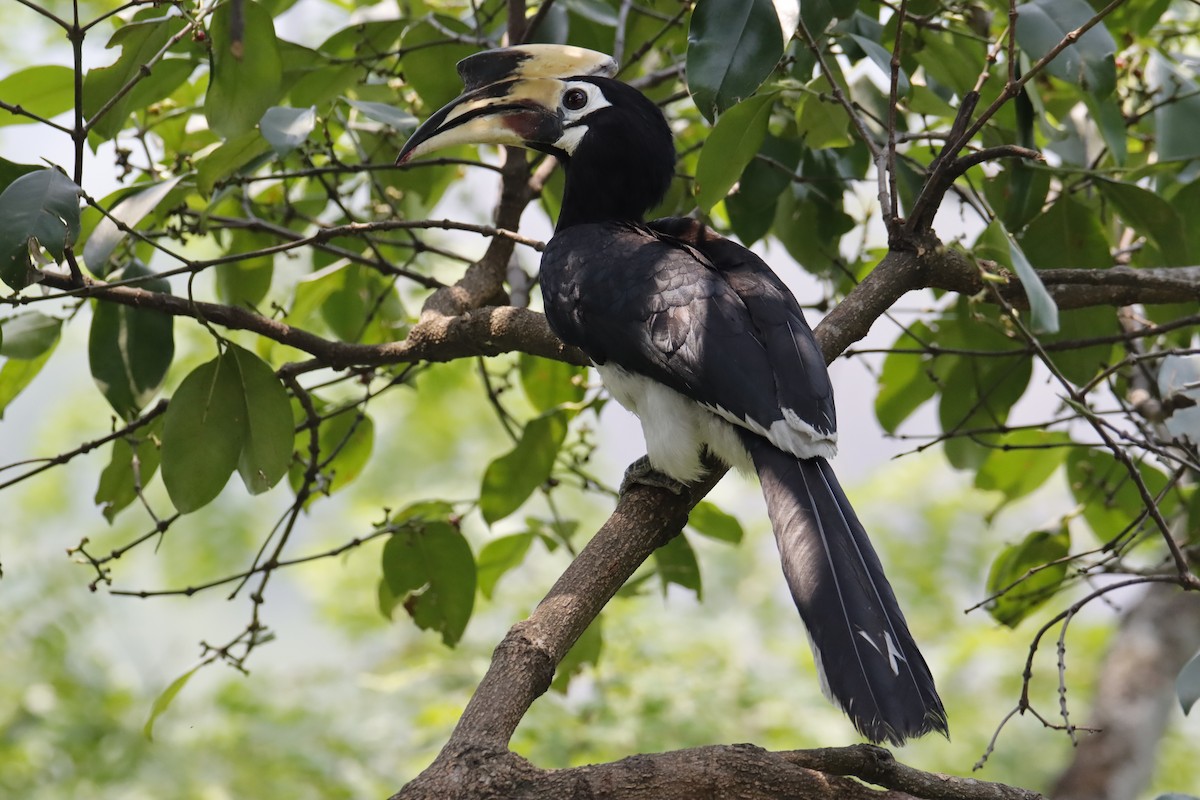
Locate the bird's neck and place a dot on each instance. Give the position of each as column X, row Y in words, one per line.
column 616, row 183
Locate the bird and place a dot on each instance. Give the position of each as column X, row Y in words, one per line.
column 698, row 337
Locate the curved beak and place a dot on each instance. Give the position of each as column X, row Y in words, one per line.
column 512, row 97
column 520, row 112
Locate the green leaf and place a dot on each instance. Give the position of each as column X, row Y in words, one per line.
column 11, row 170
column 16, row 374
column 734, row 141
column 882, row 59
column 1176, row 109
column 346, row 441
column 1110, row 499
column 676, row 563
column 817, row 14
column 395, row 118
column 244, row 283
column 820, row 120
column 133, row 209
column 1043, row 309
column 1106, row 113
column 510, row 479
column 47, row 91
column 1150, row 215
column 130, row 348
column 163, row 701
column 1088, row 63
column 247, row 73
column 708, row 520
column 732, row 47
column 41, row 207
column 1013, row 574
column 1022, row 461
column 428, row 568
column 240, row 152
column 28, row 335
column 287, row 128
column 1187, row 684
column 586, row 650
column 139, row 41
column 548, row 383
column 270, row 434
column 119, row 482
column 751, row 207
column 498, row 557
column 905, row 382
column 204, row 431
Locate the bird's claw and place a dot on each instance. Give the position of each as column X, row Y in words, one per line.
column 643, row 472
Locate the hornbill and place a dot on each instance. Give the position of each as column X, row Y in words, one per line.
column 704, row 343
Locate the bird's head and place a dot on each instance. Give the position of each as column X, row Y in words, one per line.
column 536, row 96
column 563, row 101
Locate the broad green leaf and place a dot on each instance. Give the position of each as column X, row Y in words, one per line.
column 28, row 335
column 751, row 207
column 1021, row 462
column 1187, row 683
column 510, row 479
column 244, row 283
column 498, row 557
column 247, row 73
column 395, row 118
column 676, row 563
column 811, row 229
column 976, row 397
column 204, row 431
column 905, row 381
column 46, row 90
column 820, row 120
column 267, row 451
column 346, row 441
column 709, row 520
column 950, row 60
column 586, row 650
column 16, row 374
column 287, row 128
column 1108, row 496
column 1177, row 107
column 1150, row 215
column 106, row 235
column 118, row 483
column 1018, row 194
column 130, row 349
column 11, row 170
column 734, row 141
column 1013, row 574
column 41, row 207
column 361, row 305
column 882, row 59
column 817, row 14
column 1088, row 63
column 163, row 701
column 240, row 152
column 429, row 569
column 548, row 383
column 139, row 41
column 1106, row 113
column 1043, row 309
column 732, row 48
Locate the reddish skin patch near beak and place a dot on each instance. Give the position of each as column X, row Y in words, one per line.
column 532, row 126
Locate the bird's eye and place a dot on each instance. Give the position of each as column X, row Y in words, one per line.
column 575, row 99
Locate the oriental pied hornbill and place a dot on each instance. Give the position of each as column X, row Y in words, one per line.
column 699, row 338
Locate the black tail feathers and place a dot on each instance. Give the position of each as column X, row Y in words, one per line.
column 869, row 664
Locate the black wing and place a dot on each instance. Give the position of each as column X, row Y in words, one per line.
column 706, row 317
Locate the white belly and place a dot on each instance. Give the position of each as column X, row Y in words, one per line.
column 676, row 428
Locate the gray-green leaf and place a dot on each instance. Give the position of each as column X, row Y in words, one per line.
column 41, row 207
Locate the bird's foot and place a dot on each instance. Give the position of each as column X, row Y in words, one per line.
column 643, row 472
